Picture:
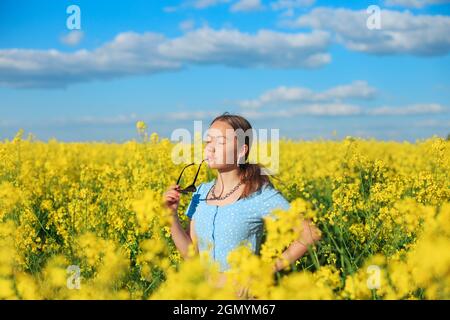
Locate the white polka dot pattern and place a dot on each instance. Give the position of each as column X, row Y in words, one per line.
column 223, row 228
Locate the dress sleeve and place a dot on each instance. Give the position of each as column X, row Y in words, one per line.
column 193, row 204
column 273, row 199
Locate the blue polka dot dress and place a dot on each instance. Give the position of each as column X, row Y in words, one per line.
column 220, row 229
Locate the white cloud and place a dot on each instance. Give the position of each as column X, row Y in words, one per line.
column 73, row 38
column 432, row 123
column 291, row 4
column 197, row 4
column 132, row 53
column 282, row 94
column 133, row 117
column 128, row 54
column 187, row 25
column 326, row 109
column 315, row 109
column 116, row 120
column 414, row 3
column 400, row 33
column 231, row 47
column 190, row 115
column 241, row 5
column 247, row 5
column 291, row 101
column 410, row 110
column 357, row 89
column 83, row 120
column 96, row 120
column 343, row 109
column 200, row 4
column 331, row 109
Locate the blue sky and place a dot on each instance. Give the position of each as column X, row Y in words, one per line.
column 306, row 67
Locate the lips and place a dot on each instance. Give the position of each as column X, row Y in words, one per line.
column 209, row 159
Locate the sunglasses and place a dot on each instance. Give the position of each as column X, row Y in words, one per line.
column 191, row 187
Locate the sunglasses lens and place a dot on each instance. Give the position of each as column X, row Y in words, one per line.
column 191, row 188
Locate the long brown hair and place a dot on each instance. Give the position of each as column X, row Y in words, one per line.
column 250, row 173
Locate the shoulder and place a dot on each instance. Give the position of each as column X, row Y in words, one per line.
column 272, row 197
column 268, row 190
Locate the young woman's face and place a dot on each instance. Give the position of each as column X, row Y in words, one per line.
column 221, row 146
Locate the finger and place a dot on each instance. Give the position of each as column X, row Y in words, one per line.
column 171, row 199
column 177, row 189
column 173, row 194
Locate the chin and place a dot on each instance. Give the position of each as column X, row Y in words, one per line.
column 213, row 166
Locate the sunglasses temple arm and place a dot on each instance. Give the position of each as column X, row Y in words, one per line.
column 198, row 170
column 181, row 173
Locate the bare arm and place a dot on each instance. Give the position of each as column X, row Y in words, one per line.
column 182, row 238
column 309, row 235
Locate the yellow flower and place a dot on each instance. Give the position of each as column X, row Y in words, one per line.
column 383, row 209
column 141, row 126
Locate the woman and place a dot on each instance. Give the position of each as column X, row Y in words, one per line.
column 229, row 210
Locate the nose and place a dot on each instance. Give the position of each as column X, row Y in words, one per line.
column 209, row 153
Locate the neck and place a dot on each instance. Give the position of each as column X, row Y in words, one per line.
column 227, row 179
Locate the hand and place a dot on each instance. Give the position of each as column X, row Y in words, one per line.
column 172, row 197
column 279, row 265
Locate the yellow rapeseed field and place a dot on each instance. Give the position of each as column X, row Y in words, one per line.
column 86, row 221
